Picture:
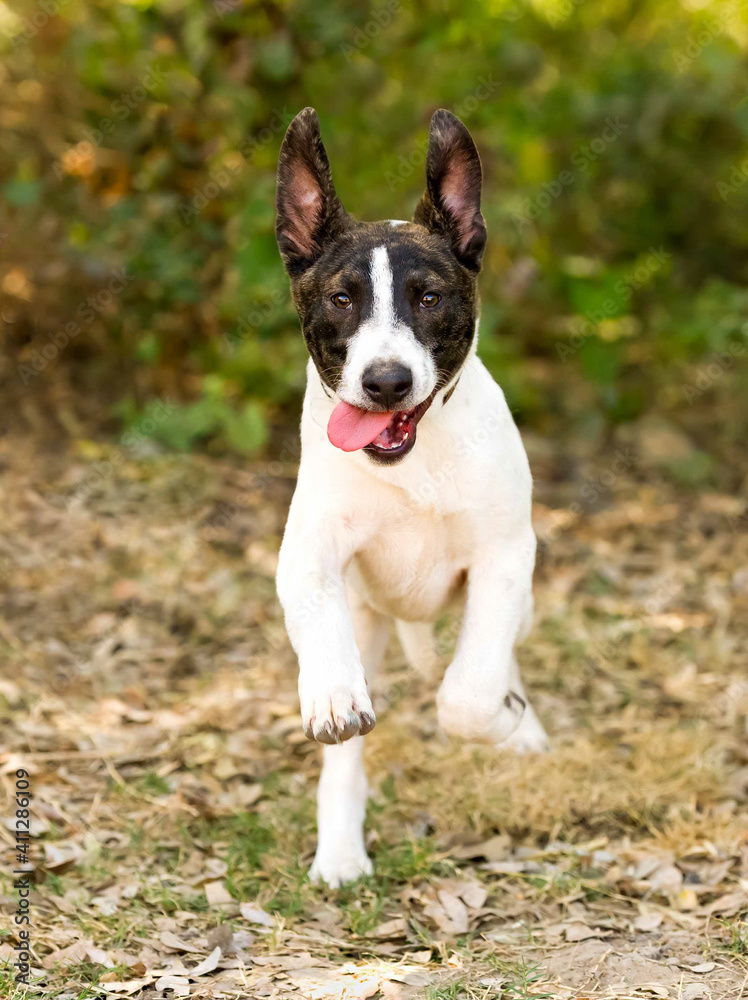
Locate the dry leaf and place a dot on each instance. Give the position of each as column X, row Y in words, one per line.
column 390, row 928
column 366, row 988
column 575, row 930
column 217, row 894
column 207, row 965
column 74, row 954
column 666, row 879
column 472, row 893
column 255, row 915
column 60, row 856
column 170, row 940
column 419, row 957
column 727, row 905
column 494, row 849
column 693, row 991
column 106, row 905
column 175, row 984
column 128, row 988
column 649, row 920
column 456, row 911
column 322, row 984
column 100, row 957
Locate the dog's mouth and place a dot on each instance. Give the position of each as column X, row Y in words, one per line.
column 384, row 436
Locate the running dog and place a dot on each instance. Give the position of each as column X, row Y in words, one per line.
column 414, row 489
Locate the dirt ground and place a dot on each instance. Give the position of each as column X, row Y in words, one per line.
column 147, row 686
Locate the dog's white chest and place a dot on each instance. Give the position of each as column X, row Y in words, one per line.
column 413, row 530
column 415, row 565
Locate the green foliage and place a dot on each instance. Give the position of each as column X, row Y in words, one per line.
column 153, row 784
column 409, row 859
column 523, row 982
column 145, row 135
column 250, row 839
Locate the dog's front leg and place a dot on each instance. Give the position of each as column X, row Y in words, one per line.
column 335, row 703
column 341, row 797
column 476, row 699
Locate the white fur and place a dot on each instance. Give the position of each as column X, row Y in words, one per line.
column 367, row 543
column 382, row 338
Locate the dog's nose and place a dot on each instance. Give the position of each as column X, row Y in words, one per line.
column 387, row 384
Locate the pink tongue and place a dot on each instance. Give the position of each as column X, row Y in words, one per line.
column 351, row 429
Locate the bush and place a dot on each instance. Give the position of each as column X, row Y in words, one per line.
column 143, row 135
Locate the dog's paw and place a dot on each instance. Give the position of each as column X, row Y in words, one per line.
column 340, row 869
column 335, row 714
column 529, row 737
column 461, row 713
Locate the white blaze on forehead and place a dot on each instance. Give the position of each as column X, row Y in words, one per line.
column 383, row 310
column 382, row 338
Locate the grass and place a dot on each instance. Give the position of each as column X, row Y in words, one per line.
column 735, row 939
column 451, row 991
column 641, row 765
column 519, row 981
column 524, row 982
column 153, row 784
column 410, row 859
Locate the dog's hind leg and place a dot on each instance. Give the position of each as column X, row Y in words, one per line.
column 341, row 796
column 419, row 646
column 529, row 736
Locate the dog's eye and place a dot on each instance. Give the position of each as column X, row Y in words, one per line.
column 430, row 299
column 341, row 301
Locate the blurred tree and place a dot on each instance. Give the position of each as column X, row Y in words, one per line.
column 143, row 135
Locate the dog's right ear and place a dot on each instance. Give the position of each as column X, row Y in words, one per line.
column 308, row 211
column 451, row 203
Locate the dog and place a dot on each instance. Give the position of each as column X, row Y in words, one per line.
column 414, row 489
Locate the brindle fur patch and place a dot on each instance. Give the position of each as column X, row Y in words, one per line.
column 421, row 261
column 438, row 253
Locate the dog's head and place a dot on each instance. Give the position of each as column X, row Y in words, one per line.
column 388, row 309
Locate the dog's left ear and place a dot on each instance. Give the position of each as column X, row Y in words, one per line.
column 308, row 211
column 451, row 203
